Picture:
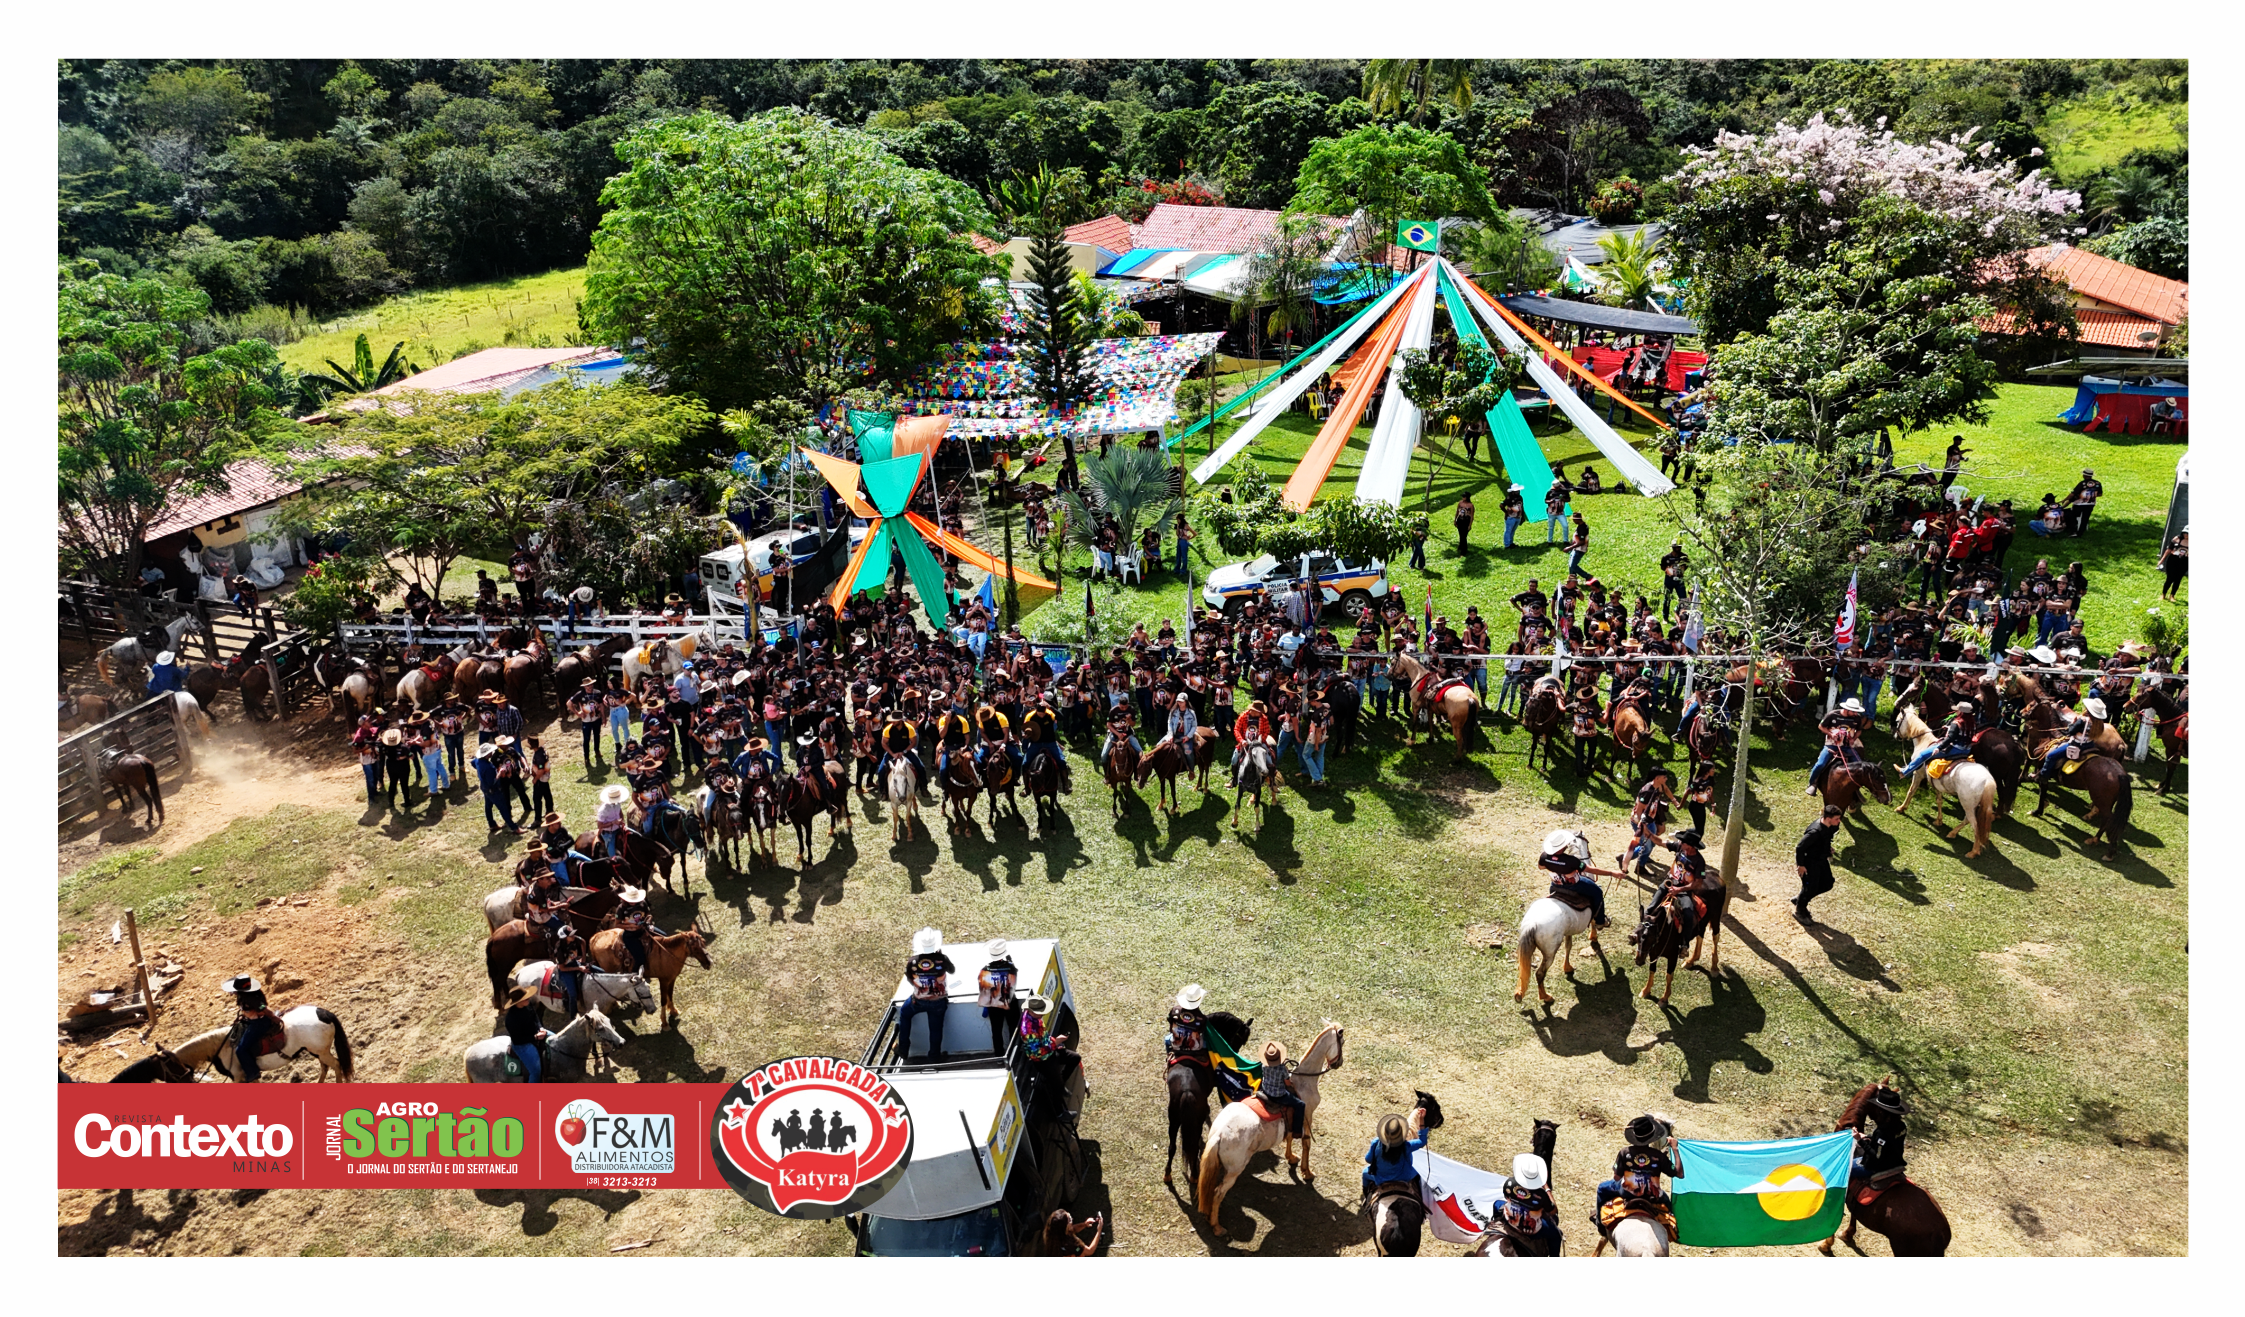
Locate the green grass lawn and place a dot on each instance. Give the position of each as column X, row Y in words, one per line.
column 537, row 310
column 2096, row 133
column 2020, row 453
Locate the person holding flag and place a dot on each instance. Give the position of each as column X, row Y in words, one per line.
column 1843, row 632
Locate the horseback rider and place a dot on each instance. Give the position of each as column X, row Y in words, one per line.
column 255, row 1023
column 1187, row 1039
column 2079, row 740
column 1277, row 1090
column 632, row 918
column 953, row 733
column 1040, row 731
column 1656, row 800
column 1638, row 1169
column 1181, row 726
column 1879, row 1161
column 571, row 962
column 997, row 736
column 1251, row 728
column 167, row 674
column 1566, row 856
column 1688, row 873
column 1843, row 740
column 608, row 819
column 928, row 971
column 561, row 845
column 1955, row 741
column 1119, row 731
column 898, row 737
column 1388, row 1159
column 1526, row 1211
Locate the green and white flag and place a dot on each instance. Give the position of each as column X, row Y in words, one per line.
column 1419, row 235
column 1780, row 1191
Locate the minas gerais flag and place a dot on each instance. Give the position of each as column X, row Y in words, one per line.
column 1781, row 1191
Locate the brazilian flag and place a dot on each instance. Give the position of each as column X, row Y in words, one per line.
column 1419, row 235
column 1221, row 1055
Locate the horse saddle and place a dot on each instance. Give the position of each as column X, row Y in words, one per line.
column 1939, row 768
column 433, row 671
column 1254, row 1102
column 1570, row 894
column 2073, row 760
column 1698, row 907
column 1618, row 1210
column 266, row 1046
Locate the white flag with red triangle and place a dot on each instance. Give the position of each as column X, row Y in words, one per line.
column 1843, row 633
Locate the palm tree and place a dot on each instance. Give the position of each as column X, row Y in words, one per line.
column 1390, row 83
column 1284, row 277
column 2128, row 194
column 1631, row 269
column 361, row 376
column 1136, row 486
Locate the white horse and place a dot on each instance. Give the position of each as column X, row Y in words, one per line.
column 1636, row 1237
column 1238, row 1133
column 904, row 801
column 1971, row 785
column 572, row 1042
column 416, row 686
column 306, row 1030
column 191, row 715
column 600, row 990
column 505, row 904
column 663, row 657
column 1549, row 925
column 128, row 656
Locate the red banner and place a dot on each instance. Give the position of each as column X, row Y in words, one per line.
column 386, row 1136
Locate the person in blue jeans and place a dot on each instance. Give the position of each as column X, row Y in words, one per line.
column 525, row 1023
column 494, row 788
column 1515, row 510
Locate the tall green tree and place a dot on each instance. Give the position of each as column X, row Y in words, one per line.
column 782, row 256
column 1053, row 318
column 1286, row 273
column 1392, row 172
column 1391, row 84
column 143, row 420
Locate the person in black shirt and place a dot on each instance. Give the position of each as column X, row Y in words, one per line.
column 525, row 1024
column 1672, row 566
column 2082, row 501
column 1812, row 859
column 1531, row 598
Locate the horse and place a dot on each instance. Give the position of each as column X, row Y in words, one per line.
column 1846, row 782
column 960, row 788
column 1549, row 926
column 423, row 684
column 571, row 669
column 128, row 774
column 1540, row 714
column 1454, row 697
column 505, row 906
column 811, row 792
column 190, row 714
column 596, row 991
column 1121, row 770
column 1399, row 1216
column 1912, row 1222
column 1674, row 922
column 1190, row 1087
column 721, row 813
column 1632, row 730
column 1240, row 1131
column 1702, row 740
column 996, row 769
column 2171, row 721
column 486, row 1061
column 1500, row 1240
column 1972, row 786
column 84, row 709
column 305, row 1030
column 638, row 859
column 2112, row 796
column 204, row 682
column 1169, row 759
column 124, row 663
column 664, row 657
column 1043, row 779
column 521, row 672
column 667, row 954
column 677, row 832
column 1258, row 764
column 2006, row 761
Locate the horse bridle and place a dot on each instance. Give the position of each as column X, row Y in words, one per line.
column 1340, row 1045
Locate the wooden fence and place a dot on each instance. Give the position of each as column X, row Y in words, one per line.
column 151, row 728
column 377, row 637
column 99, row 615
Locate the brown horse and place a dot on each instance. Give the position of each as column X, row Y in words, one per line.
column 85, row 709
column 1191, row 1085
column 1541, row 715
column 2112, row 797
column 1454, row 699
column 2171, row 721
column 128, row 773
column 1911, row 1221
column 996, row 770
column 961, row 787
column 727, row 821
column 571, row 669
column 1846, row 783
column 509, row 945
column 1673, row 923
column 810, row 793
column 1043, row 779
column 667, row 954
column 1169, row 759
column 1632, row 731
column 639, row 857
column 522, row 672
column 1121, row 769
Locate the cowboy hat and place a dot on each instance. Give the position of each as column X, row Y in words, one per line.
column 758, row 744
column 1393, row 1131
column 2016, row 651
column 632, row 895
column 1275, row 1052
column 166, row 659
column 582, row 594
column 392, row 736
column 1529, row 1172
column 2094, row 707
column 1191, row 996
column 1688, row 837
column 522, row 994
column 1037, row 1005
column 998, row 950
column 927, row 941
column 674, row 599
column 502, row 741
column 535, row 848
column 1886, row 1099
column 587, row 684
column 614, row 794
column 1645, row 1131
column 2044, row 655
column 486, row 750
column 552, row 819
column 240, row 984
column 487, row 697
column 1852, row 705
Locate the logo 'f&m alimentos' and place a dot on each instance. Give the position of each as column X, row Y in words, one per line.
column 812, row 1137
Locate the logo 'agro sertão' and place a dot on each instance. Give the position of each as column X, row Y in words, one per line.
column 812, row 1137
column 601, row 1142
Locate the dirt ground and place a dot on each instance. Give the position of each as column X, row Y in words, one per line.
column 805, row 956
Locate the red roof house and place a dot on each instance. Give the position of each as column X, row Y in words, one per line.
column 2115, row 305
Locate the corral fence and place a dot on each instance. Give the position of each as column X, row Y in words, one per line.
column 99, row 615
column 151, row 728
column 375, row 639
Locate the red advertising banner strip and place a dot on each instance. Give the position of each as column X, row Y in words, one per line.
column 386, row 1136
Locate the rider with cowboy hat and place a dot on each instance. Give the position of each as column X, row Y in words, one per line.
column 255, row 1023
column 1388, row 1160
column 1638, row 1169
column 1955, row 741
column 1249, row 728
column 1843, row 732
column 1566, row 856
column 608, row 819
column 1275, row 1086
column 525, row 1026
column 1879, row 1160
column 1526, row 1210
column 2081, row 734
column 1119, row 731
column 1187, row 1039
column 632, row 918
column 1040, row 731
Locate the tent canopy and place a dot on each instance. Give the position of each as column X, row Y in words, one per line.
column 1591, row 315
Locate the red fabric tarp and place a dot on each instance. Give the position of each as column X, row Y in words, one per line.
column 2130, row 413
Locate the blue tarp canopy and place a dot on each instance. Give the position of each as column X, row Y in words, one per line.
column 2085, row 397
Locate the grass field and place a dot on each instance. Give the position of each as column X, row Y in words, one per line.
column 2093, row 134
column 537, row 310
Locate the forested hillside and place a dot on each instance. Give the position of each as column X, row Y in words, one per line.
column 323, row 185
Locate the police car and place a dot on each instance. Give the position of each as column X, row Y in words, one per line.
column 1352, row 585
column 992, row 1155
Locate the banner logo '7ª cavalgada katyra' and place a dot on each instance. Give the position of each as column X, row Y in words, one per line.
column 811, row 1137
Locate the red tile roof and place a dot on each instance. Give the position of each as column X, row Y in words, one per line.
column 492, row 368
column 1113, row 232
column 2107, row 280
column 1231, row 229
column 251, row 485
column 985, row 245
column 2110, row 329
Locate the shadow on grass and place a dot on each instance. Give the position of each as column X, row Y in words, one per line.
column 1714, row 1033
column 1303, row 1222
column 538, row 1216
column 1604, row 1012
